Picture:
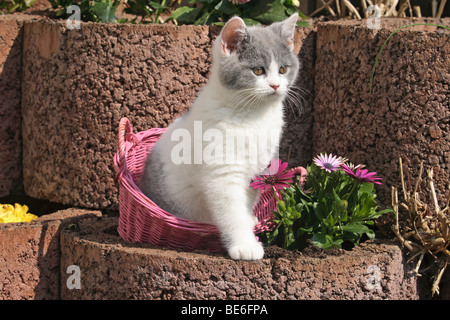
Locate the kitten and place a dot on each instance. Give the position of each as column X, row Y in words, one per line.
column 196, row 171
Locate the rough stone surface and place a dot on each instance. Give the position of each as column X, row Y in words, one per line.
column 30, row 255
column 81, row 82
column 407, row 115
column 113, row 269
column 10, row 101
column 296, row 143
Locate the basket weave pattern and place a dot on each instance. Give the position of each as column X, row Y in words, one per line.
column 141, row 220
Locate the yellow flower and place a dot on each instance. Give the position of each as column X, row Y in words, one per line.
column 18, row 213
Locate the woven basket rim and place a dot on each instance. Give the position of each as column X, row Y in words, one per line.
column 129, row 140
column 124, row 176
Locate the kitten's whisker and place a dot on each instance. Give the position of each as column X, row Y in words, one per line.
column 302, row 90
column 241, row 98
column 292, row 102
column 295, row 101
column 250, row 103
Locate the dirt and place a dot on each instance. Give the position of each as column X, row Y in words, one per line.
column 311, row 250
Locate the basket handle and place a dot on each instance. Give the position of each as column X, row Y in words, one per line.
column 125, row 134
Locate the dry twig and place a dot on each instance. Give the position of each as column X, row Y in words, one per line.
column 388, row 8
column 326, row 5
column 441, row 8
column 352, row 8
column 428, row 229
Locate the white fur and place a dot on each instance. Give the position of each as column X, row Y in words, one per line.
column 220, row 193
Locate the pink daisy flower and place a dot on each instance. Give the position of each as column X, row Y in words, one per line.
column 328, row 162
column 362, row 174
column 275, row 177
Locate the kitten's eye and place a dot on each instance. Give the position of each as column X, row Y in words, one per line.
column 283, row 69
column 259, row 71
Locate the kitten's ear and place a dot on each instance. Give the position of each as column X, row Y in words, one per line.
column 232, row 34
column 287, row 29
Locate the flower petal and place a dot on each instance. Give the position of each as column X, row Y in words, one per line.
column 273, row 166
column 282, row 166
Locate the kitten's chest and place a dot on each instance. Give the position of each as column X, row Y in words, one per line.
column 256, row 140
column 272, row 120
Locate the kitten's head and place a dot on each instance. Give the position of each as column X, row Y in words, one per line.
column 258, row 61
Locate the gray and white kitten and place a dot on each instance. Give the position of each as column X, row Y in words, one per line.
column 196, row 171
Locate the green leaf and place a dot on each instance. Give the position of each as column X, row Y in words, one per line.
column 299, row 207
column 228, row 8
column 303, row 16
column 105, row 11
column 289, row 241
column 319, row 211
column 370, row 234
column 281, row 206
column 366, row 188
column 335, row 244
column 13, row 8
column 123, row 20
column 330, row 221
column 158, row 6
column 204, row 18
column 185, row 15
column 356, row 228
column 268, row 11
column 381, row 212
column 250, row 22
column 322, row 240
column 60, row 12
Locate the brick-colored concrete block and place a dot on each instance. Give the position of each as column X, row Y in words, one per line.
column 30, row 255
column 81, row 82
column 110, row 268
column 406, row 115
column 10, row 101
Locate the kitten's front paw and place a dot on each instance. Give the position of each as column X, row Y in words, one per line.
column 248, row 251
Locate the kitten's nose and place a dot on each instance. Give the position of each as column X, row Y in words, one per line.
column 275, row 86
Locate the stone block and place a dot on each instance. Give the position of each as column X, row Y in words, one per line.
column 30, row 255
column 110, row 268
column 406, row 114
column 10, row 101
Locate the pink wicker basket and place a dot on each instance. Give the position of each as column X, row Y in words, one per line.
column 141, row 220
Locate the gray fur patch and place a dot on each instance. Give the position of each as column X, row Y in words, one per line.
column 256, row 50
column 152, row 182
